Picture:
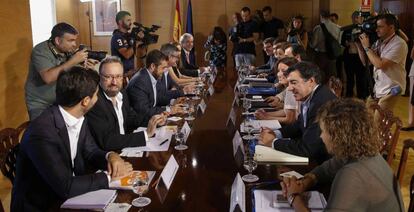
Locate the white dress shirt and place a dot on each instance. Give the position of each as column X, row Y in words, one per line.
column 73, row 125
column 118, row 110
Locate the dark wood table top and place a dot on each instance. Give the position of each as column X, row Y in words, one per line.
column 207, row 168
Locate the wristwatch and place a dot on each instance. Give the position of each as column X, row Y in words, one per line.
column 291, row 198
column 366, row 49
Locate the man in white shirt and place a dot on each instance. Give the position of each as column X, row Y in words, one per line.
column 112, row 120
column 57, row 151
column 388, row 56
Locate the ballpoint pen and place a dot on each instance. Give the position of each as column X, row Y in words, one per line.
column 163, row 142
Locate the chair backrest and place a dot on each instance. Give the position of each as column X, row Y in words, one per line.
column 389, row 128
column 411, row 205
column 9, row 148
column 408, row 144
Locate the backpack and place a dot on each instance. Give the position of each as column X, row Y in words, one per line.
column 333, row 48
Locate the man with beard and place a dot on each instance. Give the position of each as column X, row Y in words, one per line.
column 122, row 44
column 147, row 97
column 302, row 137
column 112, row 120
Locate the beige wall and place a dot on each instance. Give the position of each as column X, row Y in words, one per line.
column 15, row 47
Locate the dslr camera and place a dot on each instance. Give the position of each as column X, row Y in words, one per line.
column 235, row 33
column 96, row 55
column 149, row 36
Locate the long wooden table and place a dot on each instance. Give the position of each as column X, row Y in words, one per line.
column 207, row 168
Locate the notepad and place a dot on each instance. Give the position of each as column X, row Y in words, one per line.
column 94, row 200
column 273, row 200
column 268, row 154
column 258, row 124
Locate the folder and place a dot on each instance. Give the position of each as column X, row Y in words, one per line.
column 266, row 154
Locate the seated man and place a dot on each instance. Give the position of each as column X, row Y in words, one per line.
column 112, row 120
column 171, row 88
column 188, row 59
column 148, row 98
column 268, row 67
column 296, row 51
column 57, row 147
column 303, row 135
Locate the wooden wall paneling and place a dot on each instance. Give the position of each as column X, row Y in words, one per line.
column 67, row 11
column 15, row 44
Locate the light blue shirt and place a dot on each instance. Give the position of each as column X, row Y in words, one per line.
column 154, row 87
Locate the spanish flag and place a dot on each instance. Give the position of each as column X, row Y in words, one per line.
column 177, row 22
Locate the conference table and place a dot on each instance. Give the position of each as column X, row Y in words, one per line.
column 208, row 167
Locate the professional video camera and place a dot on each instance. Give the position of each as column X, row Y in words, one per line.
column 149, row 37
column 368, row 26
column 96, row 55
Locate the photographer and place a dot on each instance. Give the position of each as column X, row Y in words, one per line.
column 48, row 59
column 354, row 69
column 123, row 45
column 388, row 56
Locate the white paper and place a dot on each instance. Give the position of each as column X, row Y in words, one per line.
column 238, row 194
column 174, row 118
column 268, row 154
column 131, row 153
column 170, row 169
column 258, row 124
column 186, row 131
column 153, row 144
column 118, row 207
column 291, row 174
column 255, row 79
column 211, row 90
column 232, row 117
column 97, row 200
column 237, row 141
column 202, row 106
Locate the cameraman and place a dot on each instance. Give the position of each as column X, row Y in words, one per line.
column 123, row 45
column 388, row 56
column 354, row 69
column 48, row 59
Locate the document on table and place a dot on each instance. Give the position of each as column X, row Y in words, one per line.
column 268, row 200
column 258, row 124
column 160, row 142
column 94, row 200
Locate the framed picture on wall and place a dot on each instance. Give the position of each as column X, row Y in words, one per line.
column 104, row 12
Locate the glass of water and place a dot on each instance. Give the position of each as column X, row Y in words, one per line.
column 190, row 112
column 140, row 187
column 250, row 164
column 179, row 138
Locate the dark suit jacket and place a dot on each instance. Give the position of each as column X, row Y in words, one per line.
column 104, row 126
column 171, row 88
column 189, row 69
column 141, row 96
column 44, row 172
column 306, row 141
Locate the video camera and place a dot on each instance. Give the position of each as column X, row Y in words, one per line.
column 149, row 36
column 96, row 55
column 368, row 26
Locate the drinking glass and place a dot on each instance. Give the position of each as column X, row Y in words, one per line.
column 179, row 138
column 140, row 187
column 247, row 104
column 190, row 112
column 249, row 128
column 197, row 92
column 250, row 164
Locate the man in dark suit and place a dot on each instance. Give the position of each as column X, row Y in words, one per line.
column 112, row 120
column 188, row 60
column 167, row 83
column 57, row 148
column 302, row 137
column 146, row 97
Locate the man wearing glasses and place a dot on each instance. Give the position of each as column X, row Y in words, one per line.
column 112, row 120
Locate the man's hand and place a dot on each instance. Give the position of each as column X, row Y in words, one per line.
column 155, row 121
column 117, row 167
column 364, row 40
column 291, row 185
column 79, row 57
column 177, row 108
column 90, row 64
column 266, row 137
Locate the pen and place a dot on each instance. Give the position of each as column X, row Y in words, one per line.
column 163, row 142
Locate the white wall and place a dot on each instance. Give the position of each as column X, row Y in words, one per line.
column 43, row 18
